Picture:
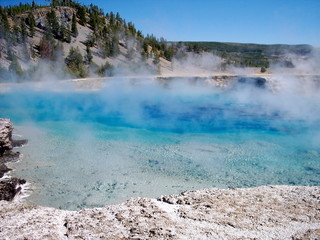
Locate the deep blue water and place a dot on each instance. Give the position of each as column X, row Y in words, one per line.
column 95, row 148
column 207, row 114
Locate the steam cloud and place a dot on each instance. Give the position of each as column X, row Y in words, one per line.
column 181, row 105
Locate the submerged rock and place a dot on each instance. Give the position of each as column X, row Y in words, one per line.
column 19, row 143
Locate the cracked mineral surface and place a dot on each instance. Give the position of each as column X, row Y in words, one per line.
column 267, row 212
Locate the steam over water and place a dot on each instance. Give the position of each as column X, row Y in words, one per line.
column 92, row 148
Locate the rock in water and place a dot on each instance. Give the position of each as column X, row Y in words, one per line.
column 6, row 128
column 9, row 188
column 3, row 169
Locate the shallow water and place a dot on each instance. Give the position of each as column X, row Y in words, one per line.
column 95, row 148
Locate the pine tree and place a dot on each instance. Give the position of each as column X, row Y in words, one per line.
column 105, row 70
column 168, row 53
column 118, row 18
column 68, row 35
column 105, row 31
column 62, row 32
column 23, row 29
column 46, row 47
column 114, row 47
column 111, row 19
column 75, row 63
column 94, row 20
column 10, row 55
column 16, row 35
column 106, row 49
column 74, row 29
column 4, row 26
column 131, row 28
column 52, row 22
column 15, row 67
column 32, row 23
column 156, row 59
column 139, row 34
column 81, row 13
column 88, row 55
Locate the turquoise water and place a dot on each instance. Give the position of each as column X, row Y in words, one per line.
column 92, row 148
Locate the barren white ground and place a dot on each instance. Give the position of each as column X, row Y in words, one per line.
column 267, row 212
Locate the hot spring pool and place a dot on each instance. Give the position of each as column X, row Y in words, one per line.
column 93, row 148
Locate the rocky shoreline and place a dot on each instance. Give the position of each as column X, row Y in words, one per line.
column 266, row 212
column 9, row 187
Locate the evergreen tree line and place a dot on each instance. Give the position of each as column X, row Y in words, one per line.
column 107, row 30
column 110, row 30
column 21, row 8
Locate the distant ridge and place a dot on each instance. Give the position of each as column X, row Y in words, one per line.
column 269, row 49
column 251, row 54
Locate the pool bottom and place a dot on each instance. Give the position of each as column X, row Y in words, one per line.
column 72, row 166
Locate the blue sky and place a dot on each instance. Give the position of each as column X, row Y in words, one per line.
column 246, row 21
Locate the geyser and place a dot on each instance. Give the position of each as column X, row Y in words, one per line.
column 146, row 138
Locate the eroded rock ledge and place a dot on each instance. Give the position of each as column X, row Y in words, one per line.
column 9, row 187
column 268, row 212
column 6, row 128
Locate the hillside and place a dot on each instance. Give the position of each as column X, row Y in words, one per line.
column 78, row 40
column 68, row 40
